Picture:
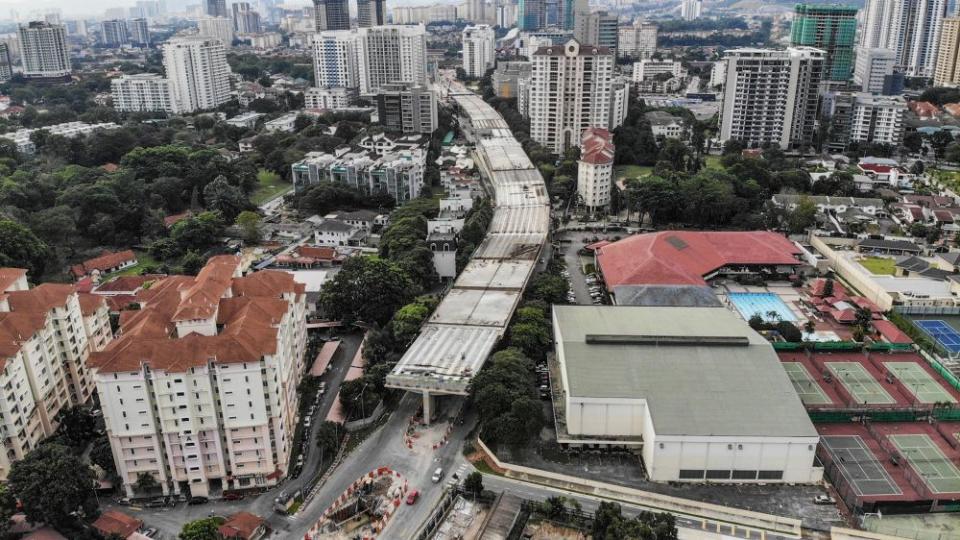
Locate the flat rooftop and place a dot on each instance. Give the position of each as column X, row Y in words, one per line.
column 701, row 370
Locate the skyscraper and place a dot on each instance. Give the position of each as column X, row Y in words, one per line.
column 638, row 40
column 391, row 54
column 139, row 32
column 948, row 56
column 6, row 67
column 531, row 14
column 371, row 13
column 691, row 9
column 570, row 90
column 113, row 33
column 771, row 97
column 331, row 15
column 217, row 8
column 245, row 19
column 220, row 28
column 832, row 28
column 198, row 72
column 479, row 44
column 872, row 69
column 43, row 50
column 335, row 59
column 909, row 28
column 602, row 29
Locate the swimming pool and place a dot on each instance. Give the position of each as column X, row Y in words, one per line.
column 750, row 304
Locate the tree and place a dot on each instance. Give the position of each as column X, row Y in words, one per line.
column 220, row 196
column 473, row 483
column 369, row 289
column 146, row 482
column 803, row 216
column 51, row 482
column 406, row 322
column 20, row 248
column 192, row 262
column 249, row 223
column 328, row 438
column 550, row 288
column 101, row 455
column 913, row 142
column 202, row 529
column 77, row 426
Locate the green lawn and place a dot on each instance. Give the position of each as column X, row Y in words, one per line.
column 712, row 162
column 271, row 185
column 631, row 171
column 143, row 260
column 878, row 265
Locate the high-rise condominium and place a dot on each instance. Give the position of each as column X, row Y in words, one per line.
column 691, row 9
column 948, row 56
column 331, row 15
column 371, row 13
column 531, row 14
column 873, row 68
column 770, row 97
column 245, row 19
column 141, row 92
column 217, row 8
column 6, row 67
column 198, row 72
column 479, row 52
column 139, row 31
column 601, row 29
column 220, row 28
column 43, row 50
column 570, row 90
column 368, row 58
column 638, row 40
column 832, row 28
column 909, row 28
column 113, row 33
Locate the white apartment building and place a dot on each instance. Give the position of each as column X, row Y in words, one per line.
column 424, row 14
column 390, row 54
column 198, row 72
column 619, row 102
column 141, row 92
column 595, row 169
column 200, row 391
column 113, row 33
column 479, row 52
column 265, row 40
column 139, row 31
column 43, row 50
column 329, row 98
column 691, row 9
column 220, row 28
column 21, row 137
column 771, row 96
column 638, row 40
column 398, row 173
column 648, row 69
column 909, row 28
column 718, row 74
column 335, row 59
column 878, row 119
column 46, row 336
column 570, row 90
column 872, row 67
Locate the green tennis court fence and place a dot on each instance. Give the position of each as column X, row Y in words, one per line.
column 837, row 346
column 787, row 346
column 890, row 347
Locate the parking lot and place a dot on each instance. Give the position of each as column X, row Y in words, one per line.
column 584, row 289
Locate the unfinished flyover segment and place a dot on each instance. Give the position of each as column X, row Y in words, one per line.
column 458, row 337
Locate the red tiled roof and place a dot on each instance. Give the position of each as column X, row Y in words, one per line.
column 129, row 284
column 684, row 257
column 596, row 146
column 875, row 167
column 170, row 221
column 9, row 276
column 90, row 303
column 890, row 332
column 116, row 522
column 104, row 262
column 317, row 252
column 41, row 298
column 241, row 525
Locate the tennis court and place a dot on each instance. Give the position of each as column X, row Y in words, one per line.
column 859, row 466
column 807, row 388
column 940, row 475
column 942, row 332
column 919, row 382
column 864, row 388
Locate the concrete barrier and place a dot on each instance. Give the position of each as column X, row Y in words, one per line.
column 663, row 503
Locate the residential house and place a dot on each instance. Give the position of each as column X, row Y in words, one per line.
column 107, row 263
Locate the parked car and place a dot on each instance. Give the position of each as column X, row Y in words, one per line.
column 232, row 496
column 412, row 496
column 194, row 501
column 149, row 532
column 437, row 475
column 824, row 499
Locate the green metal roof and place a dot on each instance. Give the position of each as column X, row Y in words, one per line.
column 701, row 370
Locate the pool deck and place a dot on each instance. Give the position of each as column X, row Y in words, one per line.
column 793, row 298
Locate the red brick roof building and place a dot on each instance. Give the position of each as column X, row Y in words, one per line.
column 243, row 526
column 104, row 264
column 114, row 522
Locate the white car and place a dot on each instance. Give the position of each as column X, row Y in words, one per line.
column 437, row 475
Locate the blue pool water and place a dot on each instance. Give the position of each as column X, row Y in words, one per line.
column 749, row 304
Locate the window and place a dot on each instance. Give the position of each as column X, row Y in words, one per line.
column 717, row 474
column 744, row 475
column 691, row 474
column 770, row 475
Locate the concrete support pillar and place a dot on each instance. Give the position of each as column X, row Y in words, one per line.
column 428, row 405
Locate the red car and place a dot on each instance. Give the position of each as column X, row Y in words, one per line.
column 412, row 496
